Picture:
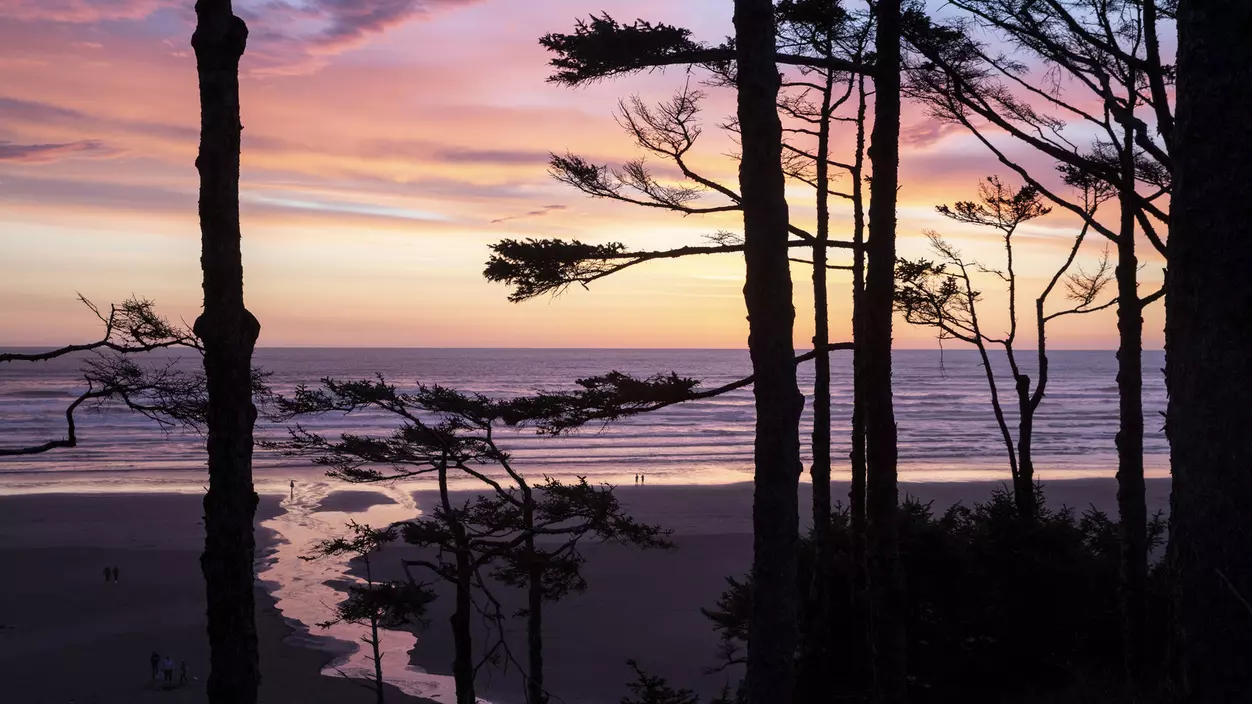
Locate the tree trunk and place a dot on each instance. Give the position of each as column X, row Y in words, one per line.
column 463, row 656
column 815, row 661
column 535, row 693
column 767, row 292
column 462, row 636
column 1208, row 338
column 1024, row 487
column 886, row 579
column 378, row 660
column 1131, row 501
column 856, row 457
column 228, row 332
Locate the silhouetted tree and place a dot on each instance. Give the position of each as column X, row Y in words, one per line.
column 1207, row 342
column 941, row 294
column 228, row 332
column 885, row 577
column 389, row 605
column 767, row 293
column 443, row 432
column 111, row 373
column 1101, row 53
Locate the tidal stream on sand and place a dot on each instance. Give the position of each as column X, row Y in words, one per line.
column 306, row 591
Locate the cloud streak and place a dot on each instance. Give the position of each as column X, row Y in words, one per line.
column 46, row 153
column 532, row 214
column 80, row 11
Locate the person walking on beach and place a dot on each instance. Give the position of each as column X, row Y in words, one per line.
column 108, row 575
column 115, row 575
column 182, row 673
column 167, row 669
column 293, row 489
column 155, row 659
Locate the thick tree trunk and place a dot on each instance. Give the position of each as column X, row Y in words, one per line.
column 886, row 579
column 815, row 661
column 1131, row 500
column 767, row 292
column 228, row 332
column 1208, row 342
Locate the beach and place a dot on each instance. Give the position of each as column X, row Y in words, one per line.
column 68, row 636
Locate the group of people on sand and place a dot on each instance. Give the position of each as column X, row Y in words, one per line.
column 640, row 479
column 111, row 574
column 163, row 670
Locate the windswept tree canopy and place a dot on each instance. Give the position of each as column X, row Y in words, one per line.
column 600, row 47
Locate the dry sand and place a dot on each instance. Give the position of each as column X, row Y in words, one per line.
column 67, row 636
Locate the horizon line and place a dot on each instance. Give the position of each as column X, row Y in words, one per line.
column 605, row 349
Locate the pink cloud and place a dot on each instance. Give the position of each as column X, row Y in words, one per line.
column 80, row 11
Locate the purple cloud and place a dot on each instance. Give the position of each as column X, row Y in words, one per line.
column 289, row 36
column 45, row 153
column 532, row 214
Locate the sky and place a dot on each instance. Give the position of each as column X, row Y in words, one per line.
column 387, row 144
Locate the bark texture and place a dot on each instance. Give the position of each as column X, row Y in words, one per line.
column 228, row 332
column 886, row 580
column 767, row 292
column 1208, row 342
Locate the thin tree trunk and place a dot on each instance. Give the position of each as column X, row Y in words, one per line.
column 1024, row 489
column 886, row 579
column 815, row 655
column 767, row 291
column 535, row 693
column 1208, row 338
column 462, row 637
column 228, row 332
column 1131, row 502
column 378, row 660
column 856, row 458
column 378, row 657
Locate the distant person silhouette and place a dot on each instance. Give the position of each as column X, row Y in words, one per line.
column 167, row 668
column 643, row 479
column 636, row 479
column 115, row 575
column 155, row 659
column 182, row 673
column 293, row 489
column 108, row 575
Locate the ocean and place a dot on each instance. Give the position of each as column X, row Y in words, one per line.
column 947, row 431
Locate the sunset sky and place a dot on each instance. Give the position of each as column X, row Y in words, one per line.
column 386, row 144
